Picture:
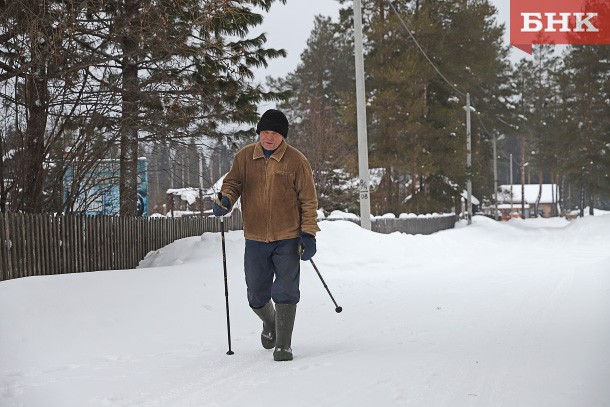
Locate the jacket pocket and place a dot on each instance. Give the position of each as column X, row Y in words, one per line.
column 285, row 179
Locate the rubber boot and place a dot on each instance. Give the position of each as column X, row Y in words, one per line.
column 284, row 322
column 267, row 315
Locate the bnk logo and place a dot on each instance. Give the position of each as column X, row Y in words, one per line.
column 532, row 22
column 559, row 22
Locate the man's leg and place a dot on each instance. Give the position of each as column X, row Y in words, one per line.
column 259, row 270
column 286, row 294
column 259, row 280
column 287, row 265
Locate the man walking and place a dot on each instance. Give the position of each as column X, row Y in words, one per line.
column 279, row 209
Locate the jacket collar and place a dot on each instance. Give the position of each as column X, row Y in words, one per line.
column 277, row 154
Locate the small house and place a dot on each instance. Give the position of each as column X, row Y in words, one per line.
column 540, row 199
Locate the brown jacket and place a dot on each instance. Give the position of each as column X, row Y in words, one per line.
column 278, row 195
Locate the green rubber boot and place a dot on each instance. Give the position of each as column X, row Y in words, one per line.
column 284, row 322
column 267, row 315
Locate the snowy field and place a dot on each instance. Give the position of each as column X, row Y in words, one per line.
column 494, row 314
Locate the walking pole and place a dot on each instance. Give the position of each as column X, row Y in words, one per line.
column 224, row 265
column 337, row 307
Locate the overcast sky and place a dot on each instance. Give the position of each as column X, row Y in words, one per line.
column 289, row 25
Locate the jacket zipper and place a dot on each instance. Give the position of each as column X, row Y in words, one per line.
column 268, row 200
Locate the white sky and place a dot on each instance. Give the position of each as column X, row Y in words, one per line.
column 288, row 26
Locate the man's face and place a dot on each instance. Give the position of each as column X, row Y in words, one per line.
column 270, row 139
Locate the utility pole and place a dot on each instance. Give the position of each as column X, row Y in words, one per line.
column 495, row 140
column 468, row 159
column 363, row 151
column 523, row 176
column 200, row 183
column 511, row 185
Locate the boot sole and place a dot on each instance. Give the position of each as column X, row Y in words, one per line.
column 282, row 355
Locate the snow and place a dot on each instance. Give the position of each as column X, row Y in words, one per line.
column 475, row 201
column 492, row 314
column 530, row 191
column 189, row 194
column 342, row 215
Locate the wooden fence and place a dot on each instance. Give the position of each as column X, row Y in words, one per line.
column 42, row 244
column 414, row 226
column 35, row 245
column 411, row 226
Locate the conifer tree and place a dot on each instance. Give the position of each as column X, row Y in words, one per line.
column 183, row 63
column 40, row 66
column 538, row 114
column 586, row 84
column 150, row 69
column 415, row 113
column 323, row 75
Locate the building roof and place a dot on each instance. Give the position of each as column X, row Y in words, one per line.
column 530, row 192
column 475, row 201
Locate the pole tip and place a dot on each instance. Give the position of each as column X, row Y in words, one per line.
column 230, row 352
column 339, row 309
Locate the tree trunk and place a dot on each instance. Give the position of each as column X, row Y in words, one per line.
column 540, row 174
column 33, row 175
column 130, row 120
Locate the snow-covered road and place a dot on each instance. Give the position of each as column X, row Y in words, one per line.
column 493, row 314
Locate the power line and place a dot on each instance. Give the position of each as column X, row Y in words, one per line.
column 424, row 52
column 459, row 92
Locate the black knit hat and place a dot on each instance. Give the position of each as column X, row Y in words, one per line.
column 273, row 120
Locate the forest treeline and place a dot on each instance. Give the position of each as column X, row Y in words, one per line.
column 551, row 111
column 91, row 80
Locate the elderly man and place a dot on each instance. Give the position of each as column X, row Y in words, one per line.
column 279, row 208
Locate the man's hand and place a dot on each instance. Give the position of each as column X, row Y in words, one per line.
column 308, row 246
column 222, row 205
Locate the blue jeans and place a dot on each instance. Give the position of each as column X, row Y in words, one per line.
column 272, row 271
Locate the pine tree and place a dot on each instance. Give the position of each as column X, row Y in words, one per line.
column 187, row 62
column 324, row 73
column 582, row 123
column 586, row 85
column 416, row 129
column 40, row 64
column 538, row 113
column 175, row 69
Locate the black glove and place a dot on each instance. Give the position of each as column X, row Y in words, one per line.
column 308, row 246
column 222, row 205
